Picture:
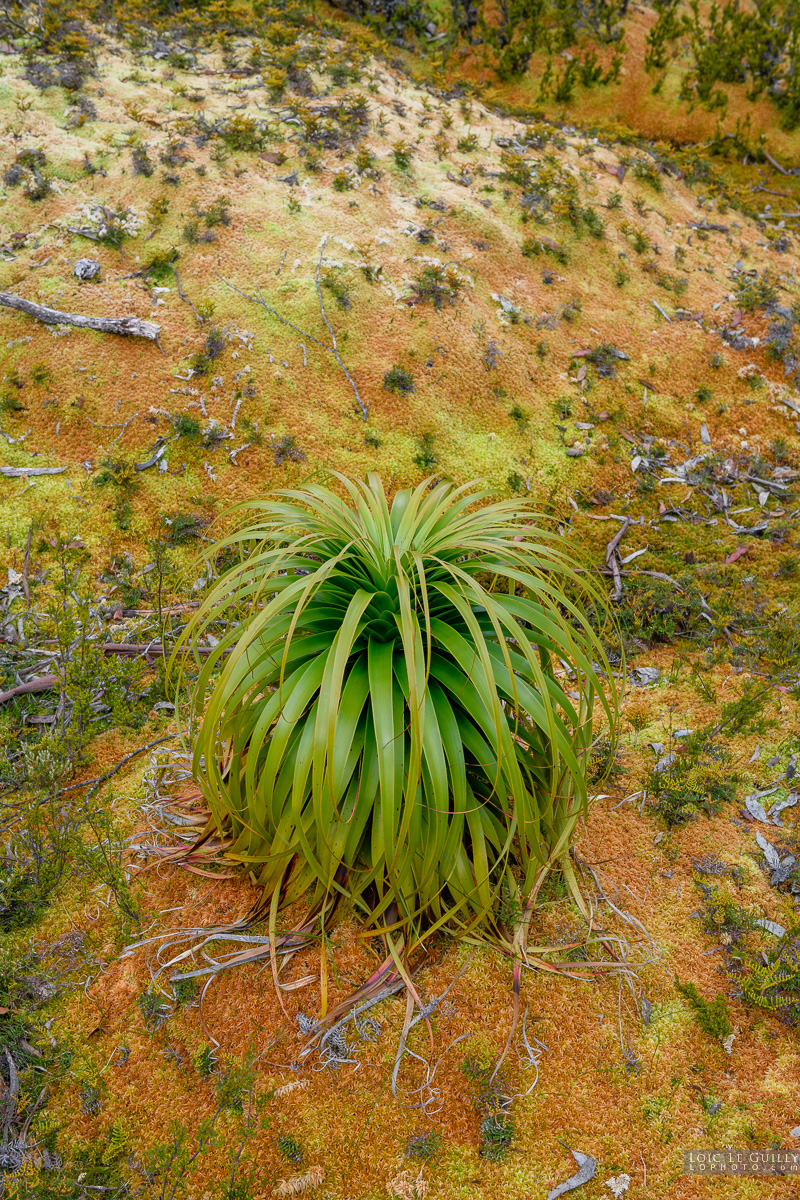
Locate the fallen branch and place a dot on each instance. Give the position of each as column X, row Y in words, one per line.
column 331, row 349
column 612, row 558
column 777, row 165
column 85, row 233
column 126, row 326
column 95, row 783
column 772, row 192
column 18, row 472
column 43, row 684
column 335, row 348
column 143, row 648
column 705, row 227
column 26, row 567
column 186, row 299
column 651, row 574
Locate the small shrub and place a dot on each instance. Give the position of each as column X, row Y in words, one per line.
column 287, row 450
column 205, row 1062
column 604, row 764
column 217, row 213
column 754, row 292
column 571, row 310
column 497, row 1129
column 244, row 133
column 593, row 223
column 534, row 246
column 698, row 781
column 516, row 169
column 184, row 992
column 399, row 380
column 153, row 1009
column 214, row 345
column 9, row 403
column 648, row 172
column 186, row 426
column 289, row 1148
column 40, row 375
column 91, row 1100
column 439, row 285
column 342, row 181
column 159, row 269
column 425, row 458
column 365, row 161
column 401, row 153
column 141, row 162
column 423, row 1146
column 712, row 1015
column 466, row 145
column 338, row 288
column 497, row 1134
column 232, row 1086
column 182, row 527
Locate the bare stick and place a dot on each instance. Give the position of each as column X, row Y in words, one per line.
column 126, row 326
column 95, row 783
column 18, row 472
column 186, row 299
column 43, row 684
column 612, row 559
column 652, row 575
column 85, row 233
column 25, row 566
column 331, row 349
column 364, row 411
column 777, row 165
column 122, row 430
column 113, row 425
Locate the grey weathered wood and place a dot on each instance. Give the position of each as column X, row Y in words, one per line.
column 19, row 472
column 126, row 326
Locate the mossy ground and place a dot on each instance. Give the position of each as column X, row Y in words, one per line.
column 86, row 398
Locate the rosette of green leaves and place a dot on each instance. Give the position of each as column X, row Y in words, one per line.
column 386, row 718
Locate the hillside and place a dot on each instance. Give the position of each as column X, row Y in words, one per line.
column 345, row 255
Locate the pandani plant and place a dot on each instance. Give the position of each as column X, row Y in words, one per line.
column 385, row 721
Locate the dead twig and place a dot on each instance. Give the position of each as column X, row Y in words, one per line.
column 777, row 165
column 46, row 682
column 19, row 472
column 331, row 349
column 126, row 326
column 652, row 575
column 186, row 299
column 772, row 192
column 364, row 411
column 43, row 684
column 612, row 559
column 143, row 648
column 94, row 784
column 25, row 568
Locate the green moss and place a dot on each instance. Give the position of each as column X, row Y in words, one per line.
column 712, row 1015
